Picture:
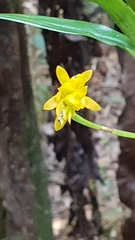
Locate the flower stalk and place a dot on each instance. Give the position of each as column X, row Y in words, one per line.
column 77, row 118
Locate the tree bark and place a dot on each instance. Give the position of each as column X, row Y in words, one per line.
column 15, row 185
column 126, row 169
column 23, row 184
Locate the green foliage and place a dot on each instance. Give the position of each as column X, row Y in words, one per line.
column 121, row 14
column 96, row 31
column 131, row 3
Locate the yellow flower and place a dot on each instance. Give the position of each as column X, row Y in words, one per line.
column 71, row 97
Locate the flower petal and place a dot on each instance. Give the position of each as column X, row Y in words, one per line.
column 70, row 114
column 81, row 79
column 90, row 104
column 58, row 125
column 58, row 96
column 59, row 108
column 66, row 89
column 87, row 75
column 50, row 104
column 80, row 93
column 62, row 75
column 72, row 101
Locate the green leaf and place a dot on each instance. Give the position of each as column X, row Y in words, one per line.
column 96, row 31
column 122, row 14
column 131, row 3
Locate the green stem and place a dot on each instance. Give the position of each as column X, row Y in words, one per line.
column 119, row 133
column 124, row 134
column 81, row 120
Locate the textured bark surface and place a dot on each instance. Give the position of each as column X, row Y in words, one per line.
column 74, row 144
column 126, row 170
column 31, row 140
column 15, row 185
column 24, row 206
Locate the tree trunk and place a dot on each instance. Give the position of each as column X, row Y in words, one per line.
column 23, row 186
column 126, row 170
column 15, row 185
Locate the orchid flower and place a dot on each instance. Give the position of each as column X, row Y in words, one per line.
column 71, row 97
